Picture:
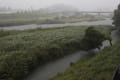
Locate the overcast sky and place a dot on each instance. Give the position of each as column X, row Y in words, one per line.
column 81, row 4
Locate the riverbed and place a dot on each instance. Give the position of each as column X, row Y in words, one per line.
column 107, row 21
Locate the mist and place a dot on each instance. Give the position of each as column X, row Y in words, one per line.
column 83, row 5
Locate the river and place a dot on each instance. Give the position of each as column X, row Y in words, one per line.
column 49, row 70
column 107, row 21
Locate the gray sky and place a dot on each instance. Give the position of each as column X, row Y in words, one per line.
column 80, row 4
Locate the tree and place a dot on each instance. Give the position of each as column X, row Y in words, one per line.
column 116, row 17
column 92, row 39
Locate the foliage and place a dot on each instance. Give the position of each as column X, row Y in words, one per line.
column 22, row 51
column 92, row 39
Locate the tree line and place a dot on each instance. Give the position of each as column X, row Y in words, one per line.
column 116, row 18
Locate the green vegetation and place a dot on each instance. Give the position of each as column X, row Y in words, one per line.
column 15, row 22
column 22, row 51
column 18, row 18
column 23, row 21
column 100, row 67
column 36, row 17
column 116, row 18
column 93, row 39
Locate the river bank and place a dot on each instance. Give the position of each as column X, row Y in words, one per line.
column 100, row 67
column 107, row 21
column 36, row 18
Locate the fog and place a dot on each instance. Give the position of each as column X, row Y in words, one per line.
column 93, row 5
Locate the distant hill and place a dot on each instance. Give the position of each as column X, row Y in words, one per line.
column 61, row 8
column 57, row 9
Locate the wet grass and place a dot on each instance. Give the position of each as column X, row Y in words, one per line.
column 22, row 51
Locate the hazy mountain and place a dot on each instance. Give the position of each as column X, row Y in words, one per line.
column 61, row 8
column 55, row 10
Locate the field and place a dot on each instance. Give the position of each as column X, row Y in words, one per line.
column 22, row 51
column 100, row 67
column 24, row 18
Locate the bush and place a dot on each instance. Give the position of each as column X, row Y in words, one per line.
column 92, row 39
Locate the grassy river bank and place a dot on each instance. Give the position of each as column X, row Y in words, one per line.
column 100, row 67
column 22, row 51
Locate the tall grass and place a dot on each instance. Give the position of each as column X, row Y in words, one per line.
column 22, row 51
